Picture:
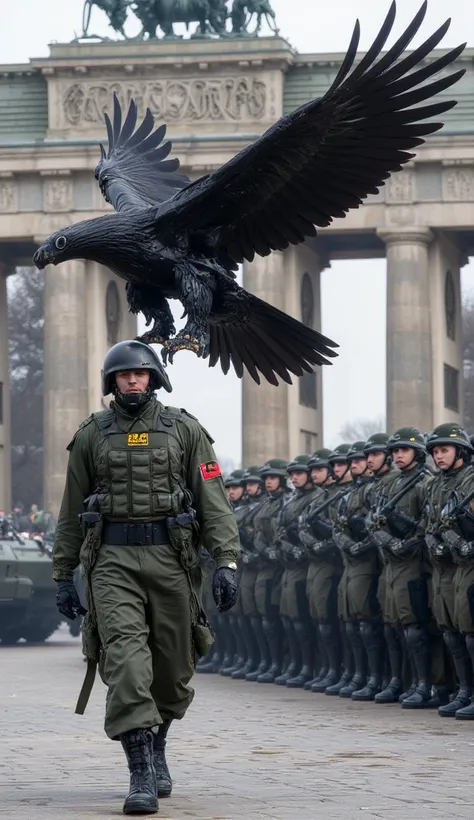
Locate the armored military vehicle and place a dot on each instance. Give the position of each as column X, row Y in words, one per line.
column 27, row 590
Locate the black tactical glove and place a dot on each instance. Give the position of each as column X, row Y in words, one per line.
column 224, row 588
column 67, row 600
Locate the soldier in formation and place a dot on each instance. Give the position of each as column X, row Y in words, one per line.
column 357, row 572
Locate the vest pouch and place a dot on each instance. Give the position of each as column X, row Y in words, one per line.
column 183, row 532
column 203, row 639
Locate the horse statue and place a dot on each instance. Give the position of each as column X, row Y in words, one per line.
column 244, row 10
column 211, row 15
column 116, row 11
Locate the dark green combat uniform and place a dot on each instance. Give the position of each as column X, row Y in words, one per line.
column 451, row 580
column 268, row 581
column 395, row 525
column 324, row 574
column 294, row 610
column 141, row 468
column 362, row 564
column 251, row 621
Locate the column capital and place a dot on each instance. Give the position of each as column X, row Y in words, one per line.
column 406, row 236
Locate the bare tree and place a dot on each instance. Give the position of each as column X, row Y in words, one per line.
column 26, row 349
column 361, row 429
column 468, row 362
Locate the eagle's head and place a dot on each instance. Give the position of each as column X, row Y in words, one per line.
column 59, row 247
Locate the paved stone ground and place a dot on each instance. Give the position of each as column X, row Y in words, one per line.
column 244, row 751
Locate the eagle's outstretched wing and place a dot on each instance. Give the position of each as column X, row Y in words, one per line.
column 134, row 173
column 326, row 157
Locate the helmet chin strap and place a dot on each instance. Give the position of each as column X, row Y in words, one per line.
column 133, row 402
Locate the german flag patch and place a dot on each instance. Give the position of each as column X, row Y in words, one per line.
column 209, row 470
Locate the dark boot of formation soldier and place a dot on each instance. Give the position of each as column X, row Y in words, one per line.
column 341, row 554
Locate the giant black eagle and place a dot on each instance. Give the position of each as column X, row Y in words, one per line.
column 175, row 239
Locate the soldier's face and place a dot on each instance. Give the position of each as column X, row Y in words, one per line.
column 319, row 475
column 358, row 466
column 132, row 381
column 340, row 468
column 375, row 460
column 403, row 456
column 299, row 478
column 272, row 483
column 444, row 456
column 235, row 493
column 252, row 487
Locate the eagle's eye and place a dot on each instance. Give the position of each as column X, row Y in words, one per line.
column 60, row 243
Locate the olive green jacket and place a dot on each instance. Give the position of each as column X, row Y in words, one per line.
column 218, row 528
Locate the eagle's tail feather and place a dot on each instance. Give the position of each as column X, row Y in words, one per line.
column 267, row 341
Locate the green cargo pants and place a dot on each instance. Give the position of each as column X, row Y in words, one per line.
column 142, row 601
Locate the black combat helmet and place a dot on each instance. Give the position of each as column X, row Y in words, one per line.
column 300, row 464
column 274, row 466
column 133, row 355
column 449, row 433
column 356, row 450
column 234, row 479
column 320, row 458
column 339, row 453
column 376, row 443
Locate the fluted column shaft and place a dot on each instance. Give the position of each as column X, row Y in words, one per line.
column 264, row 406
column 409, row 348
column 65, row 371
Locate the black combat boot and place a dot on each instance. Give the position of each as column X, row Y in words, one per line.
column 321, row 662
column 263, row 650
column 235, row 656
column 360, row 675
column 295, row 655
column 272, row 629
column 413, row 672
column 418, row 643
column 164, row 784
column 372, row 637
column 347, row 663
column 330, row 638
column 393, row 689
column 305, row 643
column 456, row 644
column 467, row 712
column 138, row 747
column 251, row 649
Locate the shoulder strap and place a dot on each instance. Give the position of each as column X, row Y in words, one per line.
column 106, row 422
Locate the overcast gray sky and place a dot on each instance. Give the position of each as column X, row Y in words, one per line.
column 347, row 287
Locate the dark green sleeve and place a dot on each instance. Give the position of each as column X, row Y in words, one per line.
column 79, row 484
column 219, row 531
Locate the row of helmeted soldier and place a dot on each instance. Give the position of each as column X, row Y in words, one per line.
column 358, row 580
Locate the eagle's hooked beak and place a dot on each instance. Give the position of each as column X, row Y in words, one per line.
column 43, row 256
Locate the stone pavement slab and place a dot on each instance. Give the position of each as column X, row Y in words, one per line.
column 243, row 751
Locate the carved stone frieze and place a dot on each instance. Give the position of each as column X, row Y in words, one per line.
column 224, row 99
column 8, row 196
column 458, row 184
column 57, row 194
column 400, row 187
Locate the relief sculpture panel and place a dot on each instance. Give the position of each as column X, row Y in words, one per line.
column 8, row 196
column 458, row 184
column 224, row 99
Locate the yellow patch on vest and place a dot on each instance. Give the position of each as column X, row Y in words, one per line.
column 137, row 440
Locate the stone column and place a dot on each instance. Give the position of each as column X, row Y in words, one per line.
column 65, row 371
column 264, row 406
column 5, row 444
column 409, row 349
